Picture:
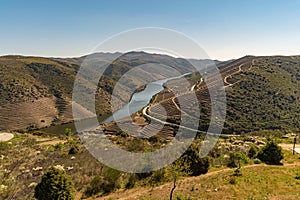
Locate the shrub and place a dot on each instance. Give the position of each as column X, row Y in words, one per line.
column 232, row 180
column 257, row 161
column 111, row 180
column 131, row 181
column 252, row 153
column 55, row 185
column 237, row 172
column 157, row 177
column 181, row 197
column 195, row 164
column 58, row 146
column 39, row 133
column 107, row 183
column 97, row 185
column 271, row 153
column 236, row 159
column 74, row 149
column 68, row 132
column 135, row 145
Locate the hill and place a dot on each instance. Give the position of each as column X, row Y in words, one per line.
column 266, row 97
column 36, row 92
column 262, row 94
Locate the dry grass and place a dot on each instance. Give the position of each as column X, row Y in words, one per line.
column 257, row 182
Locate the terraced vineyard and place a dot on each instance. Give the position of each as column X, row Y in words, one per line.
column 262, row 94
column 166, row 105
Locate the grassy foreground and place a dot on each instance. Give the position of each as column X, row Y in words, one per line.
column 256, row 182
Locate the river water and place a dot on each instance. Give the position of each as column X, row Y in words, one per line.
column 138, row 101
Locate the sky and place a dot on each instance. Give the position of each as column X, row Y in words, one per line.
column 225, row 29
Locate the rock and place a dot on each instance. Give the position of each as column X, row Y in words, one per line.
column 60, row 167
column 33, row 184
column 259, row 142
column 3, row 187
column 37, row 168
column 238, row 142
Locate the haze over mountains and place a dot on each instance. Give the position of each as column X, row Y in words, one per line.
column 37, row 92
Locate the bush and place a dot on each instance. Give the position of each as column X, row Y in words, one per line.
column 257, row 161
column 252, row 153
column 131, row 181
column 237, row 172
column 236, row 159
column 55, row 185
column 271, row 153
column 232, row 180
column 157, row 177
column 195, row 164
column 74, row 149
column 97, row 185
column 105, row 184
column 58, row 146
column 68, row 132
column 181, row 197
column 39, row 133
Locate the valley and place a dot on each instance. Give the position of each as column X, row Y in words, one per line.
column 260, row 109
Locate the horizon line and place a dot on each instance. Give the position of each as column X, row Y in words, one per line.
column 153, row 53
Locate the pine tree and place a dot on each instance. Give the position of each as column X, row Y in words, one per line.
column 55, row 185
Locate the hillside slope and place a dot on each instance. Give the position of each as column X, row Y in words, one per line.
column 266, row 97
column 262, row 94
column 36, row 92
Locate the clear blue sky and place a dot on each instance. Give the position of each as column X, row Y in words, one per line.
column 225, row 28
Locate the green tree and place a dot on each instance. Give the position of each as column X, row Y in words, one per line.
column 188, row 164
column 174, row 172
column 271, row 153
column 195, row 164
column 236, row 159
column 55, row 185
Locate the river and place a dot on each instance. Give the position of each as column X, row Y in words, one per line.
column 138, row 101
